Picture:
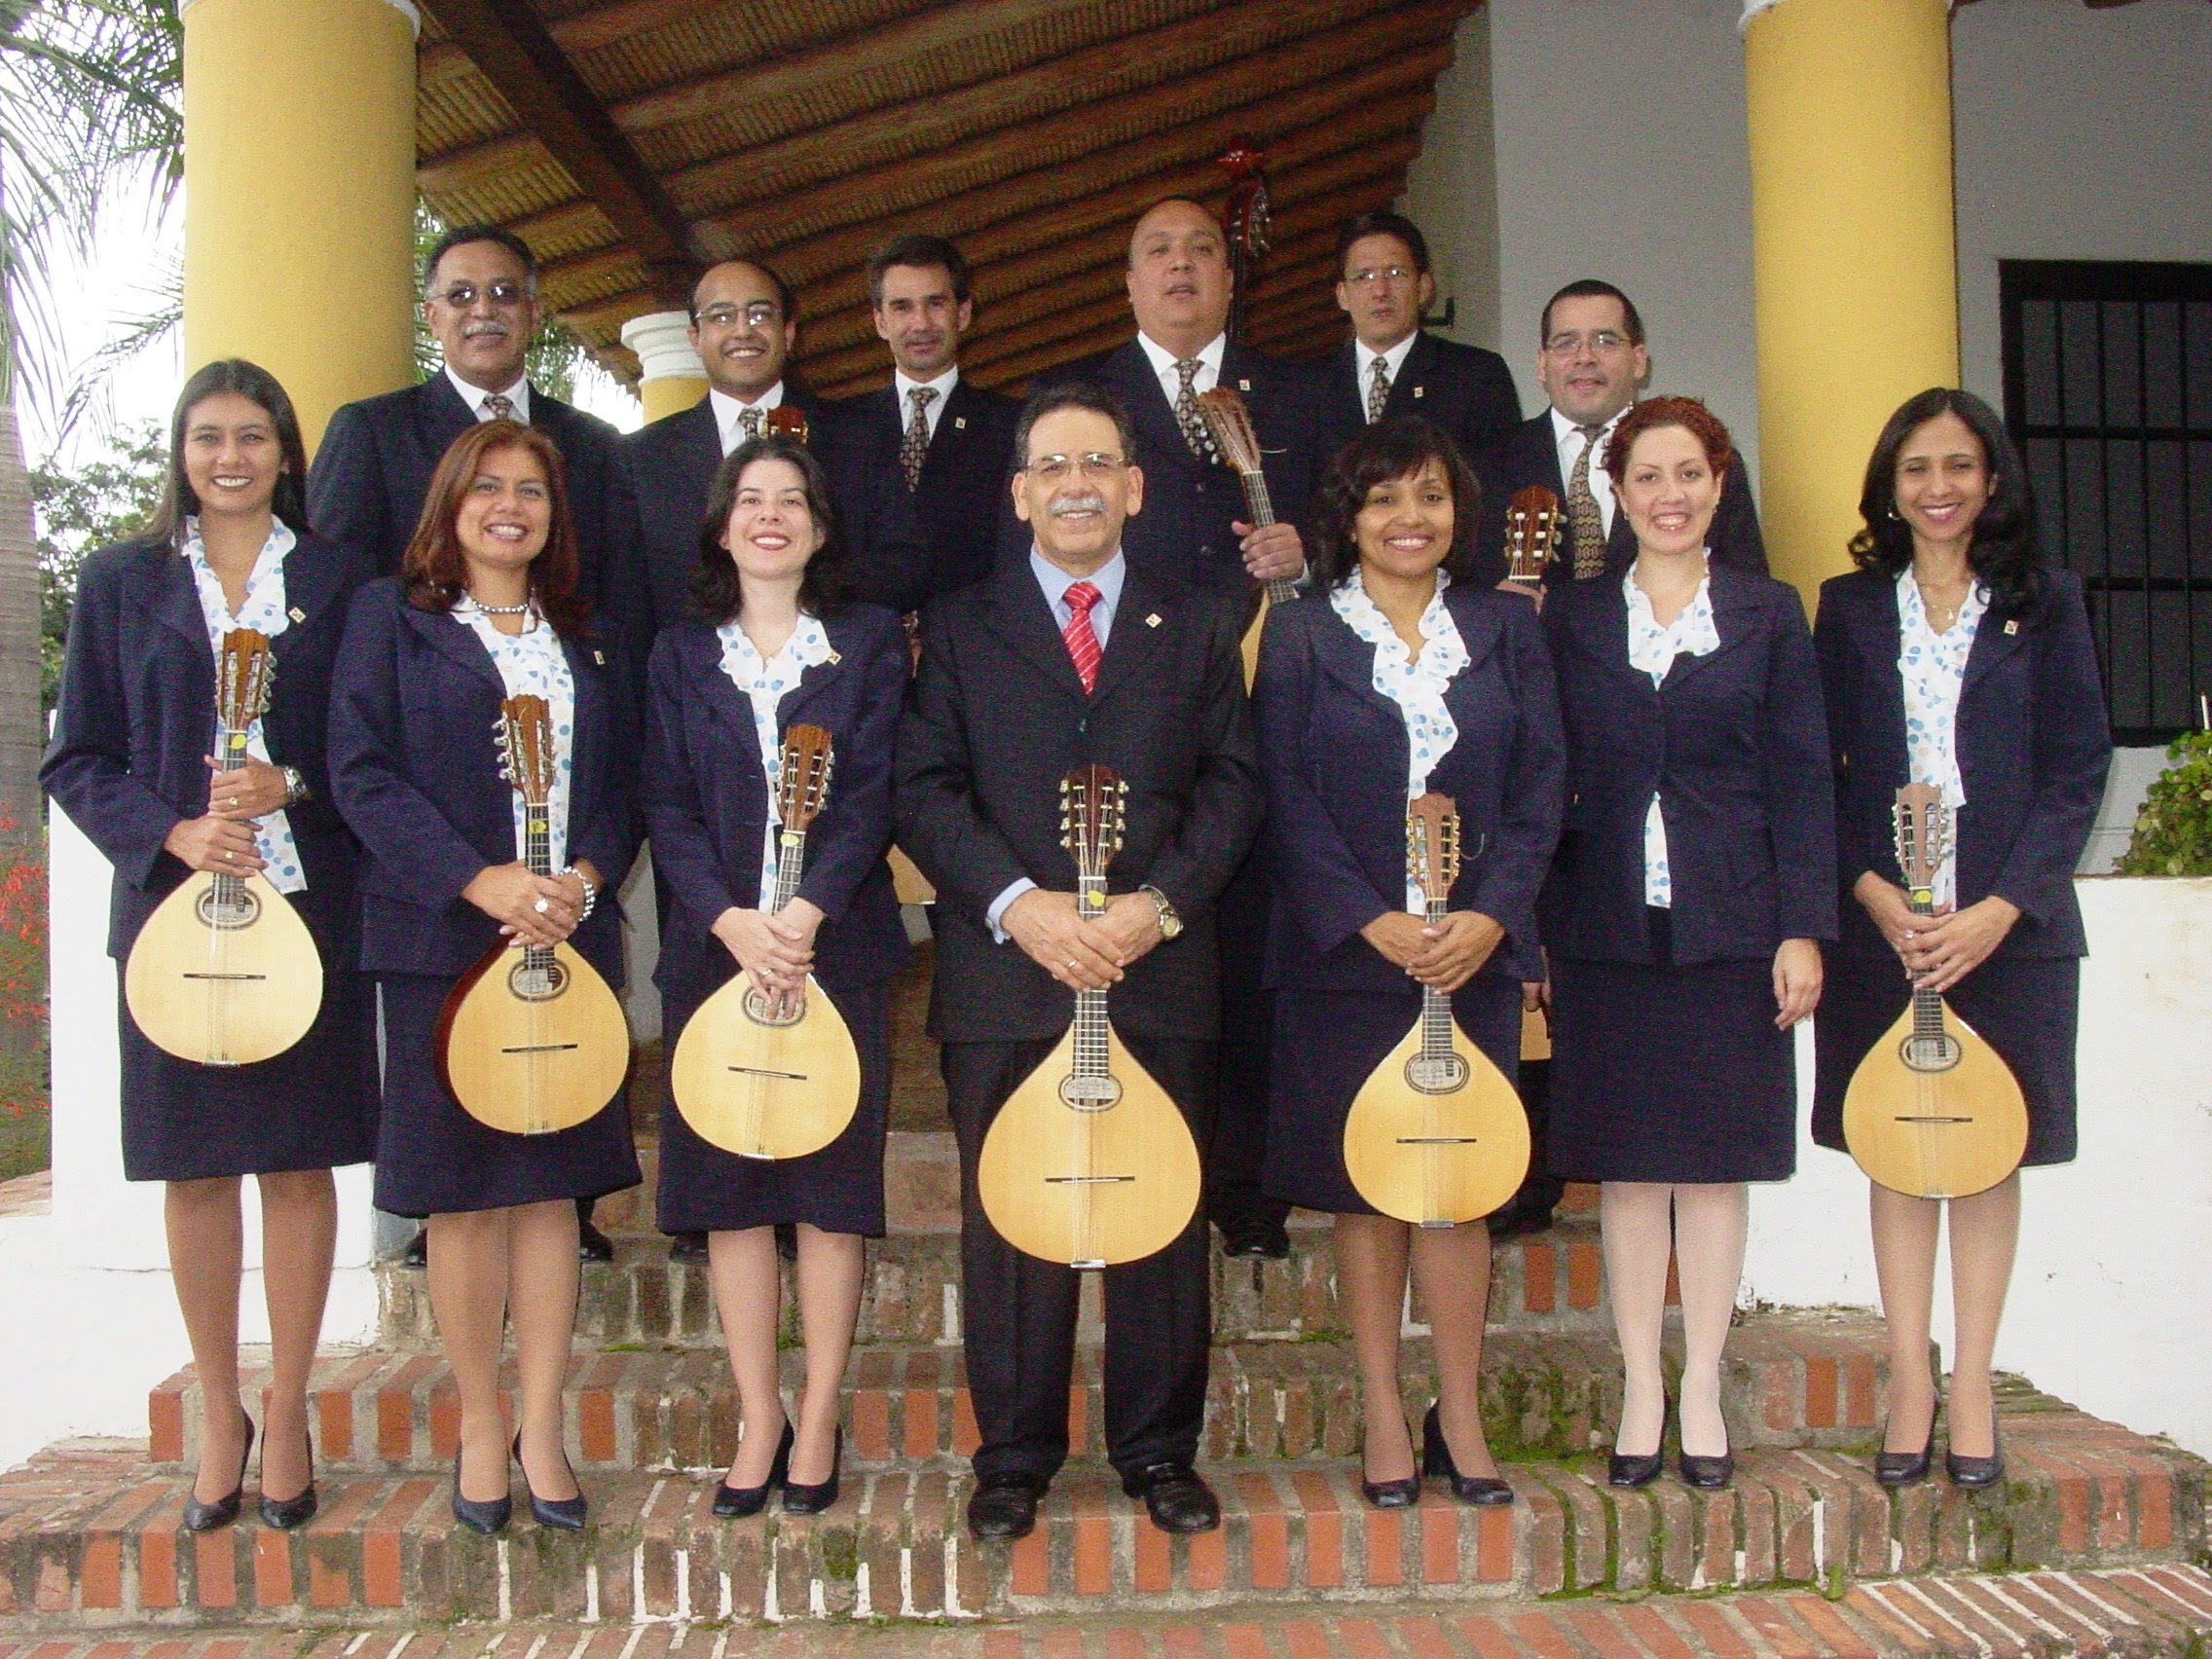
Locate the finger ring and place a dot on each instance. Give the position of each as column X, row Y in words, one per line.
column 1071, row 962
column 230, row 858
column 541, row 906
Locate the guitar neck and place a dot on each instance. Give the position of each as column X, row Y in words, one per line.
column 1435, row 1005
column 1090, row 1058
column 1927, row 1006
column 230, row 757
column 1256, row 502
column 537, row 854
column 790, row 861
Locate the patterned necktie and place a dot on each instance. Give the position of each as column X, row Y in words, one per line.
column 1082, row 643
column 1187, row 414
column 916, row 443
column 1378, row 390
column 499, row 407
column 1583, row 518
column 748, row 420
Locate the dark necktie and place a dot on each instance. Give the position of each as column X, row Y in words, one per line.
column 499, row 407
column 1187, row 414
column 1378, row 390
column 748, row 420
column 1583, row 519
column 916, row 443
column 1082, row 643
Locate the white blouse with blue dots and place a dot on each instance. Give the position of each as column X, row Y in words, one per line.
column 1654, row 649
column 1414, row 681
column 263, row 610
column 532, row 664
column 1933, row 669
column 764, row 681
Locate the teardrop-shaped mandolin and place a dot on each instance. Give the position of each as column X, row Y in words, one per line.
column 762, row 1081
column 531, row 1038
column 1230, row 425
column 1436, row 1136
column 1090, row 1163
column 224, row 972
column 1932, row 1111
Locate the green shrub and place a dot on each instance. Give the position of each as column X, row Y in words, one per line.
column 2173, row 832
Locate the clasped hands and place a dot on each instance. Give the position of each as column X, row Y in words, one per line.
column 1272, row 552
column 1939, row 951
column 530, row 910
column 1441, row 955
column 775, row 949
column 1084, row 956
column 222, row 840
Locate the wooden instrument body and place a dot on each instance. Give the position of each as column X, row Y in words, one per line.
column 1436, row 1139
column 533, row 1039
column 224, row 972
column 1932, row 1111
column 1230, row 423
column 1534, row 521
column 766, row 1087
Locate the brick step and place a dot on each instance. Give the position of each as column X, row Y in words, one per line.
column 2144, row 1613
column 89, row 1536
column 1792, row 1380
column 1548, row 1281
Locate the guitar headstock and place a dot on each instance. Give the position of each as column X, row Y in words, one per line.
column 1533, row 520
column 244, row 669
column 1230, row 425
column 1432, row 845
column 1924, row 834
column 787, row 421
column 805, row 779
column 1090, row 818
column 527, row 758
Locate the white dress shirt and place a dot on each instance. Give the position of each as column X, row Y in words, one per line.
column 1394, row 362
column 1163, row 363
column 1653, row 648
column 728, row 410
column 517, row 395
column 1567, row 436
column 942, row 385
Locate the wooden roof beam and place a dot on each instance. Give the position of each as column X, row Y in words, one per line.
column 526, row 67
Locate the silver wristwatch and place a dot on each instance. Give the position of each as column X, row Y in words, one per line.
column 295, row 786
column 1170, row 924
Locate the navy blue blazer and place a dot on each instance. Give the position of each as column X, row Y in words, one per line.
column 2032, row 742
column 1189, row 504
column 1530, row 455
column 373, row 468
column 413, row 765
column 1463, row 390
column 137, row 716
column 1734, row 745
column 964, row 479
column 706, row 799
column 1333, row 750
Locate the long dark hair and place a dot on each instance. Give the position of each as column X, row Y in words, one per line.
column 2002, row 554
column 1390, row 449
column 436, row 570
column 255, row 383
column 823, row 588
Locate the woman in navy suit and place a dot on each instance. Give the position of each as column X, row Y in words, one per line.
column 228, row 547
column 1387, row 681
column 1693, row 881
column 772, row 643
column 485, row 607
column 1953, row 656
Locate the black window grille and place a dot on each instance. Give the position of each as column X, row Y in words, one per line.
column 2108, row 392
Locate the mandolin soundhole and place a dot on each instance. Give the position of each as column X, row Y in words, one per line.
column 756, row 1011
column 1936, row 1053
column 239, row 909
column 1437, row 1074
column 1086, row 1093
column 537, row 982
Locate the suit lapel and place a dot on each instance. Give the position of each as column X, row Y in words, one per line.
column 440, row 415
column 175, row 598
column 1409, row 389
column 1733, row 607
column 454, row 640
column 1143, row 614
column 1995, row 639
column 310, row 586
column 1025, row 621
column 1602, row 626
column 1147, row 398
column 1346, row 658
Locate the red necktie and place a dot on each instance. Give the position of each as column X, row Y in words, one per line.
column 1082, row 643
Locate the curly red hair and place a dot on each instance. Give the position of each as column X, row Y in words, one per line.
column 1688, row 413
column 435, row 574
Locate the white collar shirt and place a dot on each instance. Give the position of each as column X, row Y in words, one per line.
column 934, row 410
column 730, row 412
column 1163, row 362
column 517, row 395
column 1393, row 361
column 1567, row 437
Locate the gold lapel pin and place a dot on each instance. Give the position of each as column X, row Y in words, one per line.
column 1243, row 385
column 834, row 658
column 1418, row 391
column 1152, row 621
column 297, row 614
column 599, row 658
column 960, row 423
column 2014, row 626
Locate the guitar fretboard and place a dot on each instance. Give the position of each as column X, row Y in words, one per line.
column 1435, row 1006
column 230, row 757
column 1090, row 1057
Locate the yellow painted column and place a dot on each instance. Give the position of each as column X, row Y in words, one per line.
column 671, row 376
column 299, row 205
column 1855, row 265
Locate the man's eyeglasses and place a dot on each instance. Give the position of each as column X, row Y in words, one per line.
column 1054, row 469
column 504, row 296
column 1567, row 345
column 761, row 313
column 1367, row 275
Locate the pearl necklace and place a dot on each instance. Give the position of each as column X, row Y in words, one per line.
column 500, row 609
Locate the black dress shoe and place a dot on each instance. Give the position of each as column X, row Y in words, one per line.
column 1175, row 1498
column 1906, row 1468
column 566, row 1514
column 592, row 1246
column 1633, row 1471
column 812, row 1497
column 1483, row 1490
column 734, row 1503
column 479, row 1515
column 287, row 1513
column 1003, row 1506
column 1255, row 1236
column 1707, row 1474
column 688, row 1247
column 206, row 1517
column 1977, row 1473
column 1391, row 1494
column 416, row 1253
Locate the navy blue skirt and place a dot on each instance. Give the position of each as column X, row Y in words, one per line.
column 1326, row 1045
column 433, row 1158
column 839, row 1189
column 1665, row 1073
column 311, row 1107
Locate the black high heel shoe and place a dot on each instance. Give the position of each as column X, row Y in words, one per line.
column 734, row 1503
column 206, row 1517
column 1707, row 1474
column 1907, row 1468
column 1640, row 1469
column 563, row 1513
column 479, row 1515
column 1977, row 1473
column 801, row 1497
column 287, row 1513
column 1483, row 1490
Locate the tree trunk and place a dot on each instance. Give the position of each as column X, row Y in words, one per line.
column 21, row 737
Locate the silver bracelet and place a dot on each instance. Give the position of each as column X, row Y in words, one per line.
column 591, row 892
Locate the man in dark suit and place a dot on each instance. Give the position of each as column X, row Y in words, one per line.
column 372, row 469
column 1196, row 527
column 1077, row 653
column 1591, row 361
column 945, row 441
column 1390, row 366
